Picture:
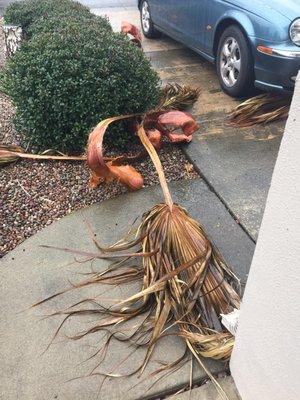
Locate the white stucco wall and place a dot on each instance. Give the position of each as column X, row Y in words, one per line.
column 266, row 359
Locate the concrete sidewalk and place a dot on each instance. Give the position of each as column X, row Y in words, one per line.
column 238, row 166
column 31, row 273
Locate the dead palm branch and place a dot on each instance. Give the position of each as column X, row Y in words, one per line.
column 11, row 153
column 186, row 283
column 262, row 109
column 178, row 97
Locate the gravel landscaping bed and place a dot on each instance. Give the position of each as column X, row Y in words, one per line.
column 33, row 194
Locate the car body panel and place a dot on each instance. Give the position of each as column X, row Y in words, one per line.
column 269, row 9
column 199, row 24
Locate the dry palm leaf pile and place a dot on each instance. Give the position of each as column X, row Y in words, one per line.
column 262, row 109
column 185, row 283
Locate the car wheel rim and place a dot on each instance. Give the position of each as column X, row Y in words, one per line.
column 145, row 17
column 230, row 62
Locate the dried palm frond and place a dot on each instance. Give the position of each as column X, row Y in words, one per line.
column 108, row 171
column 262, row 109
column 185, row 284
column 178, row 97
column 167, row 123
column 128, row 28
column 11, row 153
column 157, row 123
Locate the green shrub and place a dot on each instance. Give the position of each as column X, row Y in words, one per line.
column 60, row 23
column 64, row 82
column 27, row 12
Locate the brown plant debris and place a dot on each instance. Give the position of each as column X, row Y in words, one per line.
column 128, row 28
column 176, row 125
column 262, row 109
column 185, row 284
column 178, row 97
column 12, row 153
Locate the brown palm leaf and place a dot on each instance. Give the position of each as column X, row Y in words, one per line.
column 262, row 109
column 178, row 97
column 186, row 284
column 11, row 153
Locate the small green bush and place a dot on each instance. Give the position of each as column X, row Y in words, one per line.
column 64, row 82
column 27, row 12
column 59, row 23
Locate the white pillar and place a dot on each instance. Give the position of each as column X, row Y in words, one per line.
column 265, row 363
column 13, row 36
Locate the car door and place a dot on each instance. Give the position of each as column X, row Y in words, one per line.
column 187, row 20
column 160, row 11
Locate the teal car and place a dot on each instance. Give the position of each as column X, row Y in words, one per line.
column 253, row 43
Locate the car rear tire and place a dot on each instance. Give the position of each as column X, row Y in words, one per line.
column 235, row 63
column 147, row 25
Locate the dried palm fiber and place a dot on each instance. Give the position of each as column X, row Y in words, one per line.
column 185, row 283
column 12, row 153
column 178, row 97
column 158, row 123
column 262, row 109
column 9, row 154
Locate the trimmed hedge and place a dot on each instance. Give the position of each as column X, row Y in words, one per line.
column 66, row 79
column 59, row 23
column 27, row 12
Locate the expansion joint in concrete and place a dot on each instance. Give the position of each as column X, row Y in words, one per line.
column 213, row 190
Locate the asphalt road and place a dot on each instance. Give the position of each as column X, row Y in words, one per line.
column 89, row 3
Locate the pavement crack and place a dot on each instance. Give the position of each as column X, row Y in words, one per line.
column 222, row 200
